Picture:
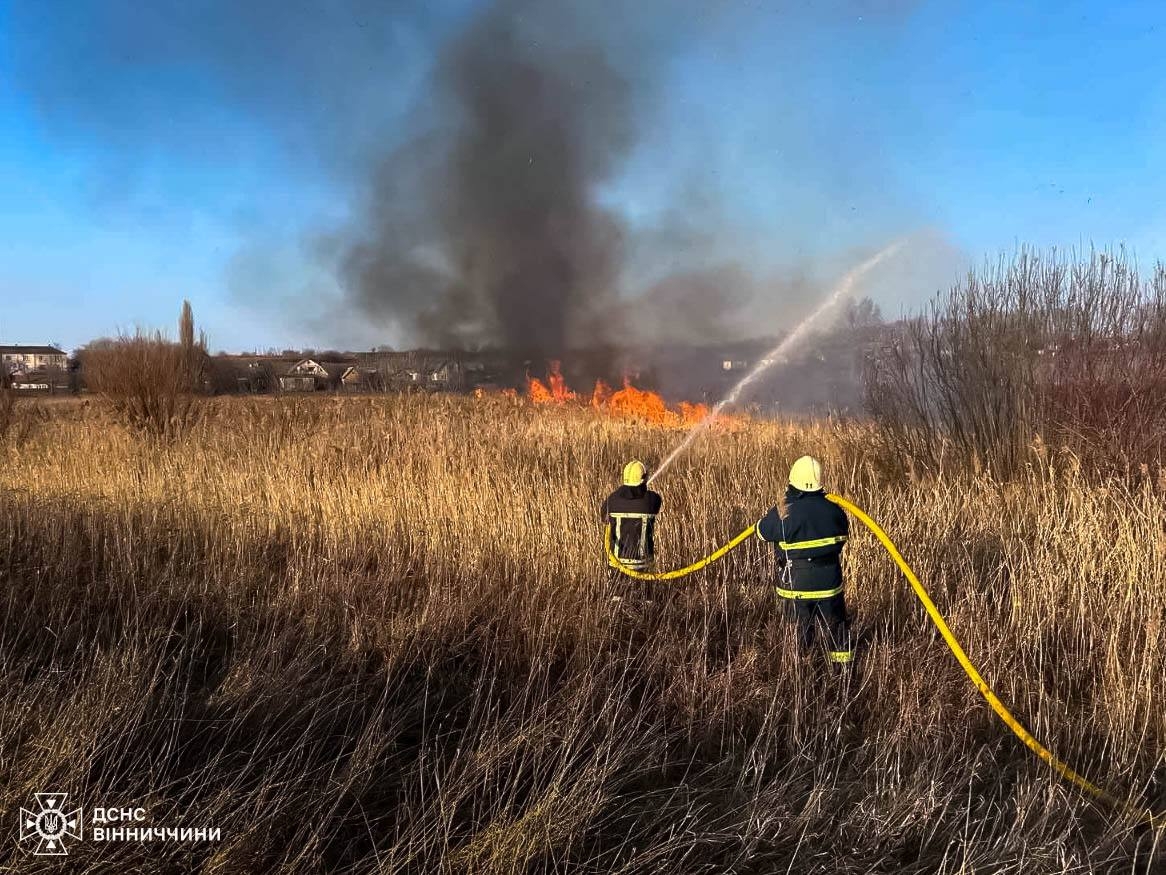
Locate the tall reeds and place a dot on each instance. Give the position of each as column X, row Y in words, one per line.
column 376, row 635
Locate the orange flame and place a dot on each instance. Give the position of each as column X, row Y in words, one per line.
column 557, row 393
column 634, row 403
column 537, row 392
column 693, row 413
column 629, row 402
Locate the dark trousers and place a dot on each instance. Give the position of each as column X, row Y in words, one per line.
column 830, row 614
column 633, row 588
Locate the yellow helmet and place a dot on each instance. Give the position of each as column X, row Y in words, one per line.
column 806, row 474
column 634, row 473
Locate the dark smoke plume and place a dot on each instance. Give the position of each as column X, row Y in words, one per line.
column 473, row 174
column 519, row 251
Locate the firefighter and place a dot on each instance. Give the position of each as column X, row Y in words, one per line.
column 808, row 543
column 631, row 512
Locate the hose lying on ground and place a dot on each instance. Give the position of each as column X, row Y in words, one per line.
column 1061, row 767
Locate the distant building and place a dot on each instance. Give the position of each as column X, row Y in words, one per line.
column 35, row 368
column 423, row 370
column 32, row 358
column 358, row 379
column 247, row 374
column 418, row 370
column 309, row 375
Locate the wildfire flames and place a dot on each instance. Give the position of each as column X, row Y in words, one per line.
column 628, row 402
column 554, row 391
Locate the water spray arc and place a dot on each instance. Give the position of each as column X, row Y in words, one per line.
column 780, row 353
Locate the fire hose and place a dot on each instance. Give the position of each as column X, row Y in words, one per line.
column 679, row 572
column 1062, row 768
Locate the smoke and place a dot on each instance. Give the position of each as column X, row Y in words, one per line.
column 720, row 303
column 700, row 279
column 539, row 176
column 489, row 228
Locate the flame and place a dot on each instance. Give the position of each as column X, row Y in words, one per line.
column 629, row 402
column 537, row 392
column 633, row 403
column 600, row 395
column 693, row 413
column 556, row 393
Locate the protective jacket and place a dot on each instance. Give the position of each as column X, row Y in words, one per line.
column 631, row 513
column 808, row 542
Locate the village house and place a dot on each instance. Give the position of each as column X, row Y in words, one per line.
column 35, row 368
column 418, row 370
column 310, row 375
column 247, row 374
column 361, row 372
column 32, row 358
column 358, row 379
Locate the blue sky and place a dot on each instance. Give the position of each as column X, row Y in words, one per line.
column 135, row 177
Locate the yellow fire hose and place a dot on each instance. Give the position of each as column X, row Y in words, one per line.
column 1061, row 767
column 679, row 572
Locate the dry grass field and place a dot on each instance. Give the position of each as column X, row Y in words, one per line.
column 377, row 635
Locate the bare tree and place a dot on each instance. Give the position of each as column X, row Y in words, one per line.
column 1071, row 352
column 186, row 326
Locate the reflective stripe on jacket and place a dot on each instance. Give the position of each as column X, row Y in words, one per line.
column 631, row 513
column 808, row 543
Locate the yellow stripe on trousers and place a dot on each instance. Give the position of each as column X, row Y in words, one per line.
column 807, row 594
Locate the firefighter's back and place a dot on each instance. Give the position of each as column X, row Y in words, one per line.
column 631, row 512
column 815, row 531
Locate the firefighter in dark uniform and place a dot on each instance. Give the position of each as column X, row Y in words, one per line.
column 808, row 545
column 631, row 512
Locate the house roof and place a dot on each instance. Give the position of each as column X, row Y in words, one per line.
column 20, row 349
column 333, row 369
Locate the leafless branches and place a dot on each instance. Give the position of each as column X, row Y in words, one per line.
column 1070, row 352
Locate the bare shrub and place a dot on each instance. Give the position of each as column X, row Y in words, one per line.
column 149, row 382
column 1072, row 352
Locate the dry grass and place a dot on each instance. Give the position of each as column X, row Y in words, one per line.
column 18, row 417
column 376, row 636
column 8, row 401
